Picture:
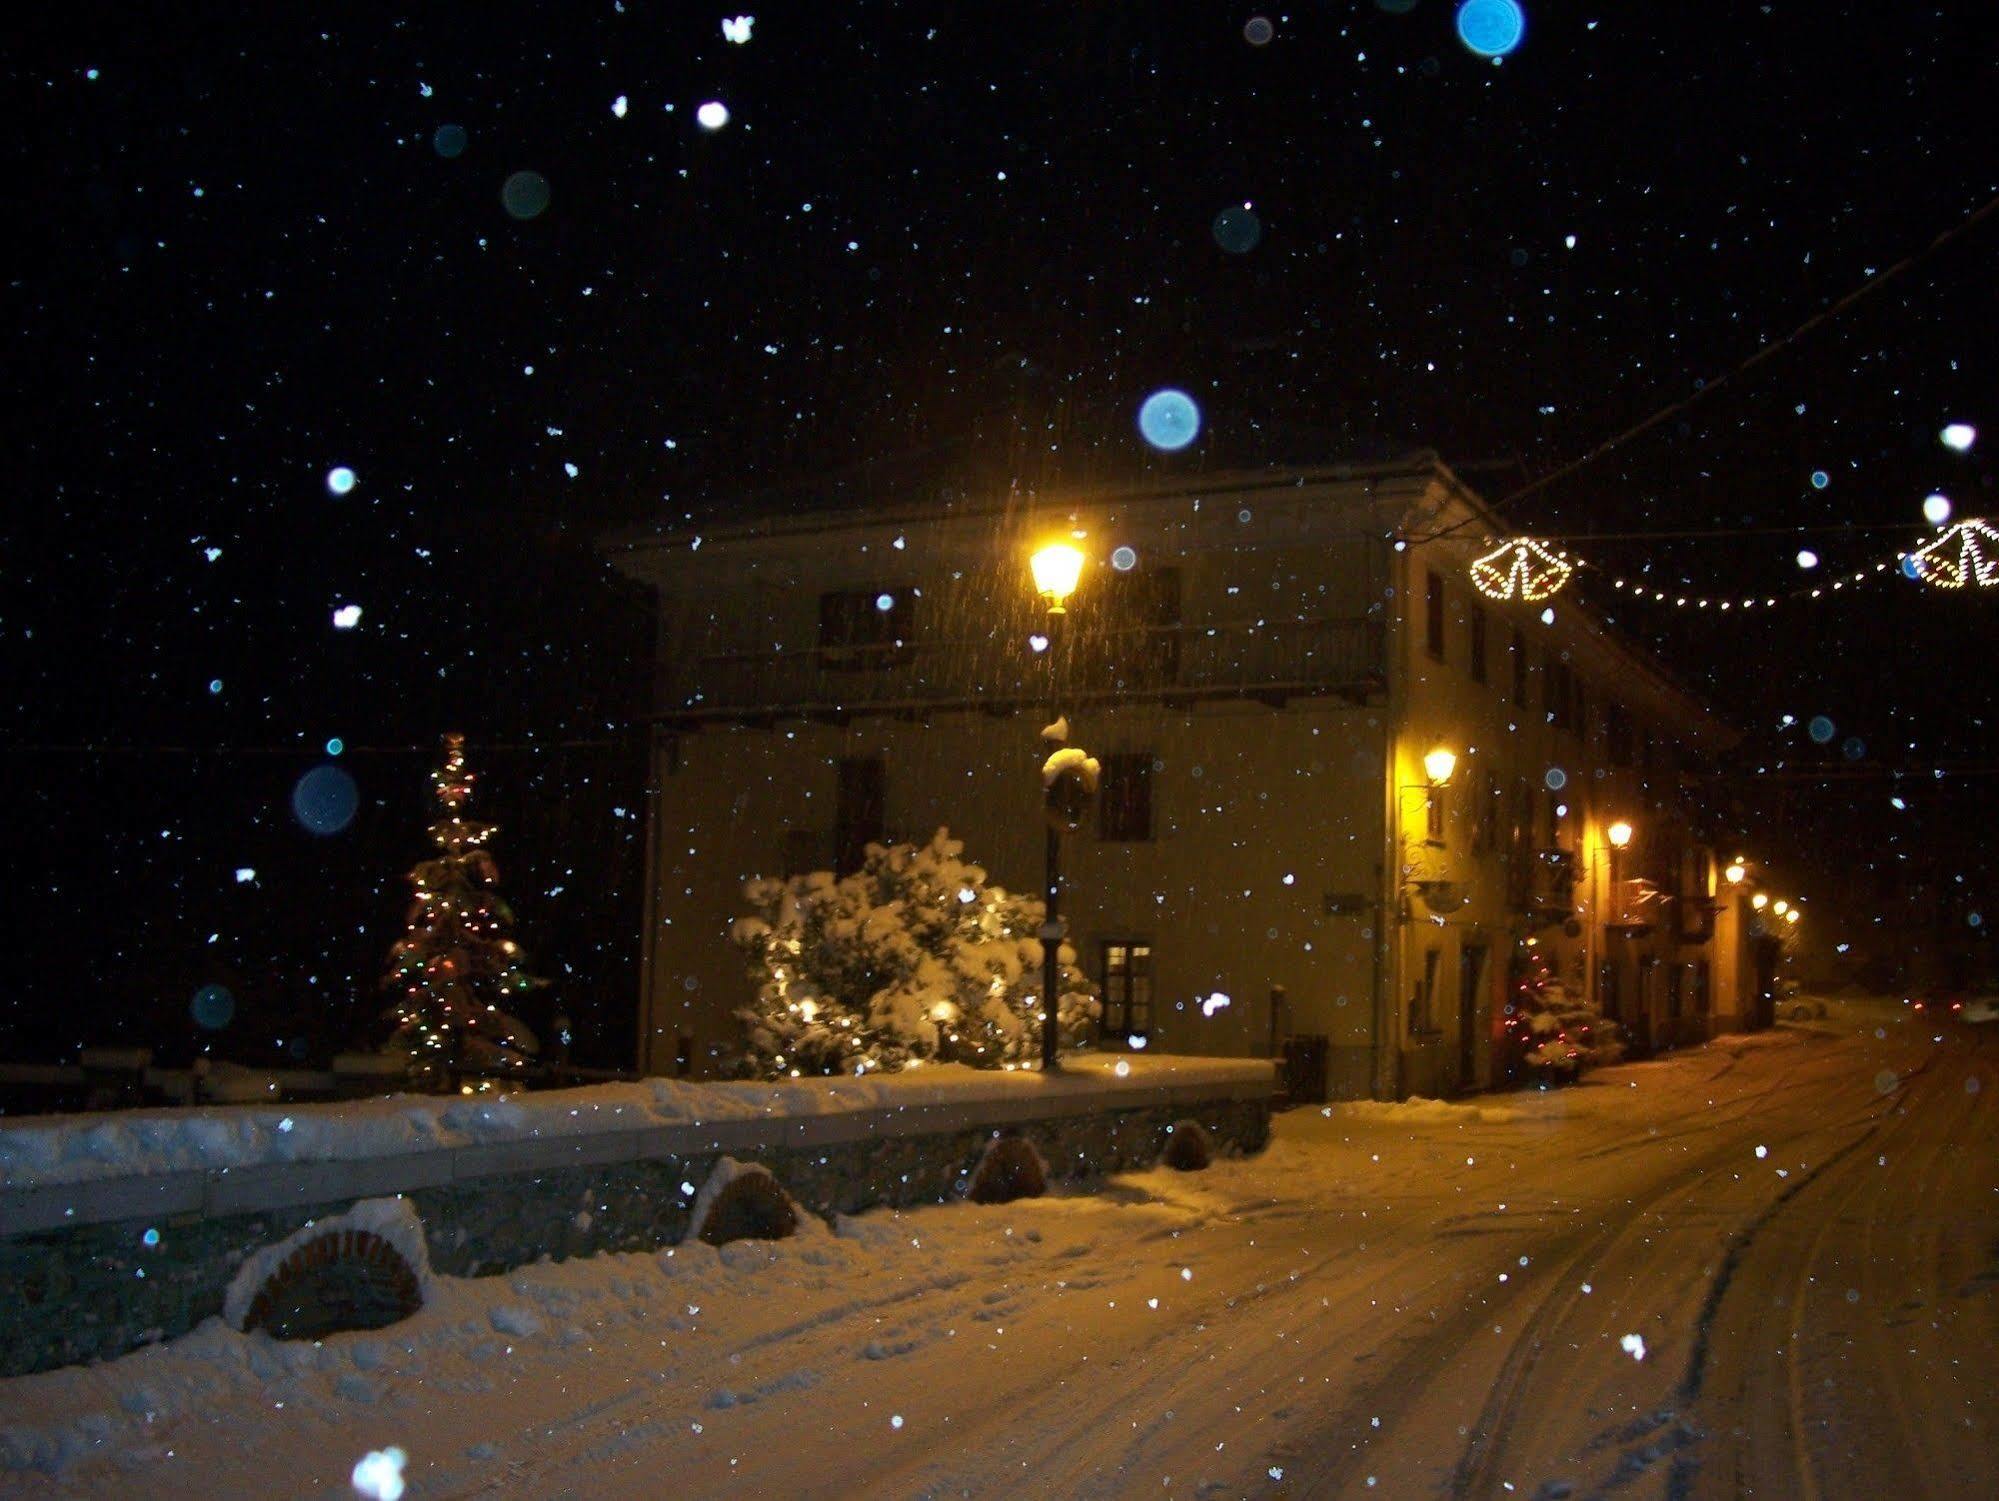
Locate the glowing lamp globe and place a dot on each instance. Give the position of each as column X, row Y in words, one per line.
column 1619, row 834
column 1792, row 915
column 1781, row 908
column 1759, row 901
column 1438, row 766
column 1735, row 872
column 1056, row 567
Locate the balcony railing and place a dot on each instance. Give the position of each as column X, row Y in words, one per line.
column 1273, row 660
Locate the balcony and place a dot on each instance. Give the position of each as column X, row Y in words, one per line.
column 1272, row 661
column 1541, row 884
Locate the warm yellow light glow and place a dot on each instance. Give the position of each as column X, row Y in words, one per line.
column 1057, row 567
column 1781, row 908
column 1438, row 766
column 1735, row 872
column 1792, row 915
column 1521, row 569
column 1759, row 901
column 1619, row 834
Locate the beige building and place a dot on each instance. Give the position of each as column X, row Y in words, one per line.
column 1262, row 664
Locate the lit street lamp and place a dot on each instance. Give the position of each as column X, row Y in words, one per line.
column 1056, row 569
column 1619, row 835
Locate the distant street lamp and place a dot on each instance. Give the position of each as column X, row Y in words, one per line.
column 1056, row 568
column 1759, row 901
column 1439, row 764
column 1735, row 872
column 1619, row 835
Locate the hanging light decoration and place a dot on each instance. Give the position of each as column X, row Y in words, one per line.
column 1965, row 555
column 1521, row 569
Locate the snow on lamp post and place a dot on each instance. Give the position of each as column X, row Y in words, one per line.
column 1056, row 568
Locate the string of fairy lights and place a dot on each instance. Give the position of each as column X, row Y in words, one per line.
column 1963, row 554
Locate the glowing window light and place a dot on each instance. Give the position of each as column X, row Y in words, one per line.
column 1521, row 569
column 1964, row 554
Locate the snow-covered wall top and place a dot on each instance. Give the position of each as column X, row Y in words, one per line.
column 249, row 1156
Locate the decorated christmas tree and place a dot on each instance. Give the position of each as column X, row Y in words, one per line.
column 1554, row 1035
column 457, row 966
column 913, row 957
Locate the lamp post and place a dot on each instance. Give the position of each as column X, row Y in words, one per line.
column 1619, row 835
column 1056, row 569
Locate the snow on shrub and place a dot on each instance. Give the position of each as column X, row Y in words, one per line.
column 742, row 1201
column 1009, row 1168
column 912, row 957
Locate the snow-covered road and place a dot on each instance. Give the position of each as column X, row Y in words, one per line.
column 1768, row 1267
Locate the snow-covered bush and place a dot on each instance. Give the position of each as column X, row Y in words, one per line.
column 912, row 957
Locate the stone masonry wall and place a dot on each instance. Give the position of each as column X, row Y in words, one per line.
column 92, row 1291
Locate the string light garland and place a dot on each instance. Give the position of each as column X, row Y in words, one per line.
column 1966, row 554
column 1522, row 568
column 1525, row 568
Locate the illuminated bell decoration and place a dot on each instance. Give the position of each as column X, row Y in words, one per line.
column 1521, row 569
column 1966, row 554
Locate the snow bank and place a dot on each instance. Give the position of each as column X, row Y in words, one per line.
column 65, row 1149
column 1417, row 1110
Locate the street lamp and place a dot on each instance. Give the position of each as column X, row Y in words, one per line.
column 1759, row 901
column 1619, row 835
column 1792, row 915
column 1056, row 568
column 1438, row 766
column 1735, row 872
column 1781, row 908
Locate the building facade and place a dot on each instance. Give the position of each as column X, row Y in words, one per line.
column 1263, row 665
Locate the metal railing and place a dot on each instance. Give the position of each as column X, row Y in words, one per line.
column 1251, row 659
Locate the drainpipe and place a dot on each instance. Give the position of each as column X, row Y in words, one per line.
column 1388, row 872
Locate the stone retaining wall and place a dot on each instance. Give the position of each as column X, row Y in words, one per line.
column 92, row 1270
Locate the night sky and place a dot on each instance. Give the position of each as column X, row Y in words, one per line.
column 934, row 250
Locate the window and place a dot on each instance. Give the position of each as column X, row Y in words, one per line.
column 1124, row 797
column 1422, row 1005
column 1519, row 670
column 865, row 627
column 1127, row 979
column 1485, row 815
column 1433, row 617
column 1558, row 693
column 1618, row 744
column 859, row 808
column 1477, row 643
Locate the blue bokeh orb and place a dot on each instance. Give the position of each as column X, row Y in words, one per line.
column 1124, row 559
column 1911, row 569
column 1237, row 229
column 1821, row 730
column 212, row 1008
column 1820, row 479
column 525, row 195
column 335, row 746
column 1169, row 419
column 1556, row 779
column 325, row 800
column 449, row 141
column 1491, row 28
column 339, row 480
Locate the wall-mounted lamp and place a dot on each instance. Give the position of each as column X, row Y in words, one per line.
column 1619, row 834
column 1735, row 872
column 1792, row 915
column 1759, row 901
column 1438, row 766
column 1056, row 567
column 1781, row 908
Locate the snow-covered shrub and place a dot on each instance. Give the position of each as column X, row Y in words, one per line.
column 743, row 1201
column 1008, row 1169
column 1187, row 1149
column 912, row 957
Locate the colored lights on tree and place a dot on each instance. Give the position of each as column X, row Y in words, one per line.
column 1521, row 569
